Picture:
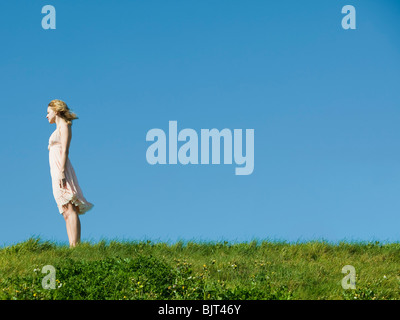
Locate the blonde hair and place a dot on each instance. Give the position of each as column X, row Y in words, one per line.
column 63, row 111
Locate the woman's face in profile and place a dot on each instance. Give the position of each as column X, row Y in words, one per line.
column 51, row 115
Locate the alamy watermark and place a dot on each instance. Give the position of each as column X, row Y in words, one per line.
column 349, row 20
column 49, row 20
column 349, row 281
column 188, row 153
column 49, row 280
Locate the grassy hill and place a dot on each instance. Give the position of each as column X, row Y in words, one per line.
column 193, row 270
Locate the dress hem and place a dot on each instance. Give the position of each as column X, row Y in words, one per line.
column 83, row 206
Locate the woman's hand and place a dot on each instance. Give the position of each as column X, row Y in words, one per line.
column 62, row 181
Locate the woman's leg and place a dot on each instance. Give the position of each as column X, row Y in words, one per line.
column 73, row 224
column 66, row 215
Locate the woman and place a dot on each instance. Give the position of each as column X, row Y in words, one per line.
column 68, row 195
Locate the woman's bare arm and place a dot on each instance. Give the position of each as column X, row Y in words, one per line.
column 66, row 136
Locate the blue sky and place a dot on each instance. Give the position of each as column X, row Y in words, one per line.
column 324, row 104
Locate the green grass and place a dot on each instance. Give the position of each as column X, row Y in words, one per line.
column 200, row 270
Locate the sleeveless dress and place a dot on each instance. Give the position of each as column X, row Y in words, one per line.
column 72, row 191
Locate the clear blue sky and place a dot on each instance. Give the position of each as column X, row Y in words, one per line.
column 324, row 103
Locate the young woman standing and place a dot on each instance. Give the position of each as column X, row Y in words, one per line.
column 66, row 190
